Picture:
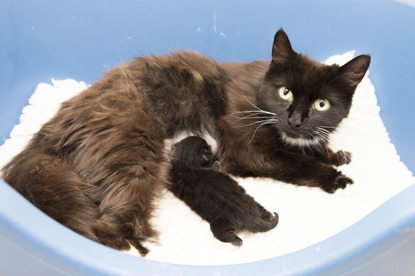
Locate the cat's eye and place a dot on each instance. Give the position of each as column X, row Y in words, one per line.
column 285, row 93
column 322, row 104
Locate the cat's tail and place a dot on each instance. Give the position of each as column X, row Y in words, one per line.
column 51, row 185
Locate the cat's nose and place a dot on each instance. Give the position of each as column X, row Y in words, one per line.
column 294, row 124
column 294, row 121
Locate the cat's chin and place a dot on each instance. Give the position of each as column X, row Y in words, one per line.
column 298, row 141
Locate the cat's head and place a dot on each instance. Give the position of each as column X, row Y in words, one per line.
column 194, row 152
column 306, row 98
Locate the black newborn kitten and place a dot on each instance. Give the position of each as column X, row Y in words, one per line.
column 213, row 195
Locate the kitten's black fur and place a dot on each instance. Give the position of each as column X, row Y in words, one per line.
column 213, row 195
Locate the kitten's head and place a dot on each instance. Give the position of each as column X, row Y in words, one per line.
column 307, row 98
column 194, row 152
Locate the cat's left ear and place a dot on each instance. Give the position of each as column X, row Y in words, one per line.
column 355, row 70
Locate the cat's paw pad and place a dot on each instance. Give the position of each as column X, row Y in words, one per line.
column 340, row 182
column 342, row 158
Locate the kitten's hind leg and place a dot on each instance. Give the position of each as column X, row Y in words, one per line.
column 261, row 225
column 270, row 222
column 264, row 223
column 223, row 231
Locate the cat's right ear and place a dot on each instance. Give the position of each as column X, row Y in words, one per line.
column 281, row 49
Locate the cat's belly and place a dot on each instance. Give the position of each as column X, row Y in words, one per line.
column 169, row 143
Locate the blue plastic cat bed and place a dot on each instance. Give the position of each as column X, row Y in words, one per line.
column 80, row 39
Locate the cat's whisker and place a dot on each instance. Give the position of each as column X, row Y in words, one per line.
column 322, row 141
column 267, row 112
column 248, row 111
column 253, row 116
column 323, row 129
column 323, row 137
column 270, row 121
column 263, row 124
column 320, row 144
column 323, row 134
column 328, row 127
column 247, row 114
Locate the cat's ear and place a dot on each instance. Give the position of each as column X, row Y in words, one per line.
column 355, row 70
column 281, row 49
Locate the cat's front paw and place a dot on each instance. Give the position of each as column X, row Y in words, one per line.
column 342, row 158
column 339, row 181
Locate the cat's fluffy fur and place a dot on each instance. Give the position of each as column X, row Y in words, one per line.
column 213, row 195
column 98, row 164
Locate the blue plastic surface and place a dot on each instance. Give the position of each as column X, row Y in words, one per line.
column 80, row 39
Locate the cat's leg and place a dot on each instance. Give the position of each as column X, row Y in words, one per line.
column 125, row 219
column 306, row 171
column 110, row 232
column 225, row 232
column 292, row 168
column 133, row 178
column 125, row 215
column 335, row 158
column 50, row 184
column 137, row 243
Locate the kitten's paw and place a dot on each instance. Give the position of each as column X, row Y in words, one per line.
column 340, row 182
column 272, row 223
column 276, row 218
column 237, row 241
column 342, row 158
column 225, row 232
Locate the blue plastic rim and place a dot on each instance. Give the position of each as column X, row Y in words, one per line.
column 80, row 39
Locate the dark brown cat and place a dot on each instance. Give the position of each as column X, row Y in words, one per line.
column 98, row 165
column 213, row 195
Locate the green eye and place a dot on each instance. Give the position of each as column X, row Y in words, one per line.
column 285, row 93
column 322, row 104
